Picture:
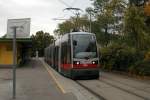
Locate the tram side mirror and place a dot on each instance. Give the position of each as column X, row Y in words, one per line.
column 74, row 42
column 93, row 40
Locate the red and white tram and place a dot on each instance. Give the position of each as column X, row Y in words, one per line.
column 74, row 54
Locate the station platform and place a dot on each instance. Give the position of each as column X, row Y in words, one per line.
column 33, row 83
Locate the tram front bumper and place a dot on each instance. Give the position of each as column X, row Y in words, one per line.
column 85, row 72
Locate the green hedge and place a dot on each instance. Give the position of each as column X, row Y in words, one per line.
column 141, row 68
column 117, row 57
column 125, row 58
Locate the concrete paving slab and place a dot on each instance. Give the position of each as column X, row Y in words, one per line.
column 33, row 83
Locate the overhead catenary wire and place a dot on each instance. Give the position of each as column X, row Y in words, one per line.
column 75, row 11
column 64, row 3
column 61, row 1
column 68, row 6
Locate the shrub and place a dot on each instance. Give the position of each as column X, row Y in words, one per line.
column 125, row 58
column 117, row 57
column 141, row 68
column 147, row 56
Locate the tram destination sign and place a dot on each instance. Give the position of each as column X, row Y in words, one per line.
column 22, row 30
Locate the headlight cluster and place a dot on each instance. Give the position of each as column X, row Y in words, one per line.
column 94, row 62
column 76, row 62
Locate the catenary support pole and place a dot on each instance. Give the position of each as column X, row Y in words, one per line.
column 90, row 23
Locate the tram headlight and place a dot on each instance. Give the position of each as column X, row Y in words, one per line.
column 93, row 62
column 77, row 62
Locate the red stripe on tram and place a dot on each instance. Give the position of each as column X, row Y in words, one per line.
column 78, row 66
column 85, row 66
column 66, row 66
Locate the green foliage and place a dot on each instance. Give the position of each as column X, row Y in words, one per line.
column 40, row 41
column 124, row 58
column 64, row 27
column 135, row 27
column 117, row 57
column 104, row 18
column 124, row 51
column 141, row 68
column 105, row 12
column 81, row 23
column 147, row 56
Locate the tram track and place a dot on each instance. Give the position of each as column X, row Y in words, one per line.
column 91, row 91
column 101, row 97
column 106, row 78
column 125, row 90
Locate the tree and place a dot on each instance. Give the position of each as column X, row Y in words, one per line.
column 108, row 15
column 40, row 41
column 64, row 27
column 135, row 27
column 68, row 25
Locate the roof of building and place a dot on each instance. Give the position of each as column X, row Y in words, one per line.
column 22, row 40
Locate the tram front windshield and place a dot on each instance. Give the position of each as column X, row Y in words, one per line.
column 84, row 46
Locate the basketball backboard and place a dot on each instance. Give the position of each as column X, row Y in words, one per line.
column 23, row 28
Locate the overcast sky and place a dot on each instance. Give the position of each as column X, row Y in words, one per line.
column 41, row 12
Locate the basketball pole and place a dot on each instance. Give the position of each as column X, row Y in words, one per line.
column 14, row 62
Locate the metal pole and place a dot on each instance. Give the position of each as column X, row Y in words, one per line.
column 90, row 23
column 77, row 21
column 14, row 63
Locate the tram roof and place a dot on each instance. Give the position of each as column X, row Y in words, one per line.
column 80, row 33
column 25, row 42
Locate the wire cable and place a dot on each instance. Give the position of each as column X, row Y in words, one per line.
column 64, row 3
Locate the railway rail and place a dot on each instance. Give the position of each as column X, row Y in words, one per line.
column 103, row 97
column 126, row 90
column 106, row 78
column 100, row 97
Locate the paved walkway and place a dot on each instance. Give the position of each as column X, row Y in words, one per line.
column 33, row 83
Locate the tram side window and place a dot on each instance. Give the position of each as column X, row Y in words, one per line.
column 56, row 57
column 65, row 53
column 69, row 53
